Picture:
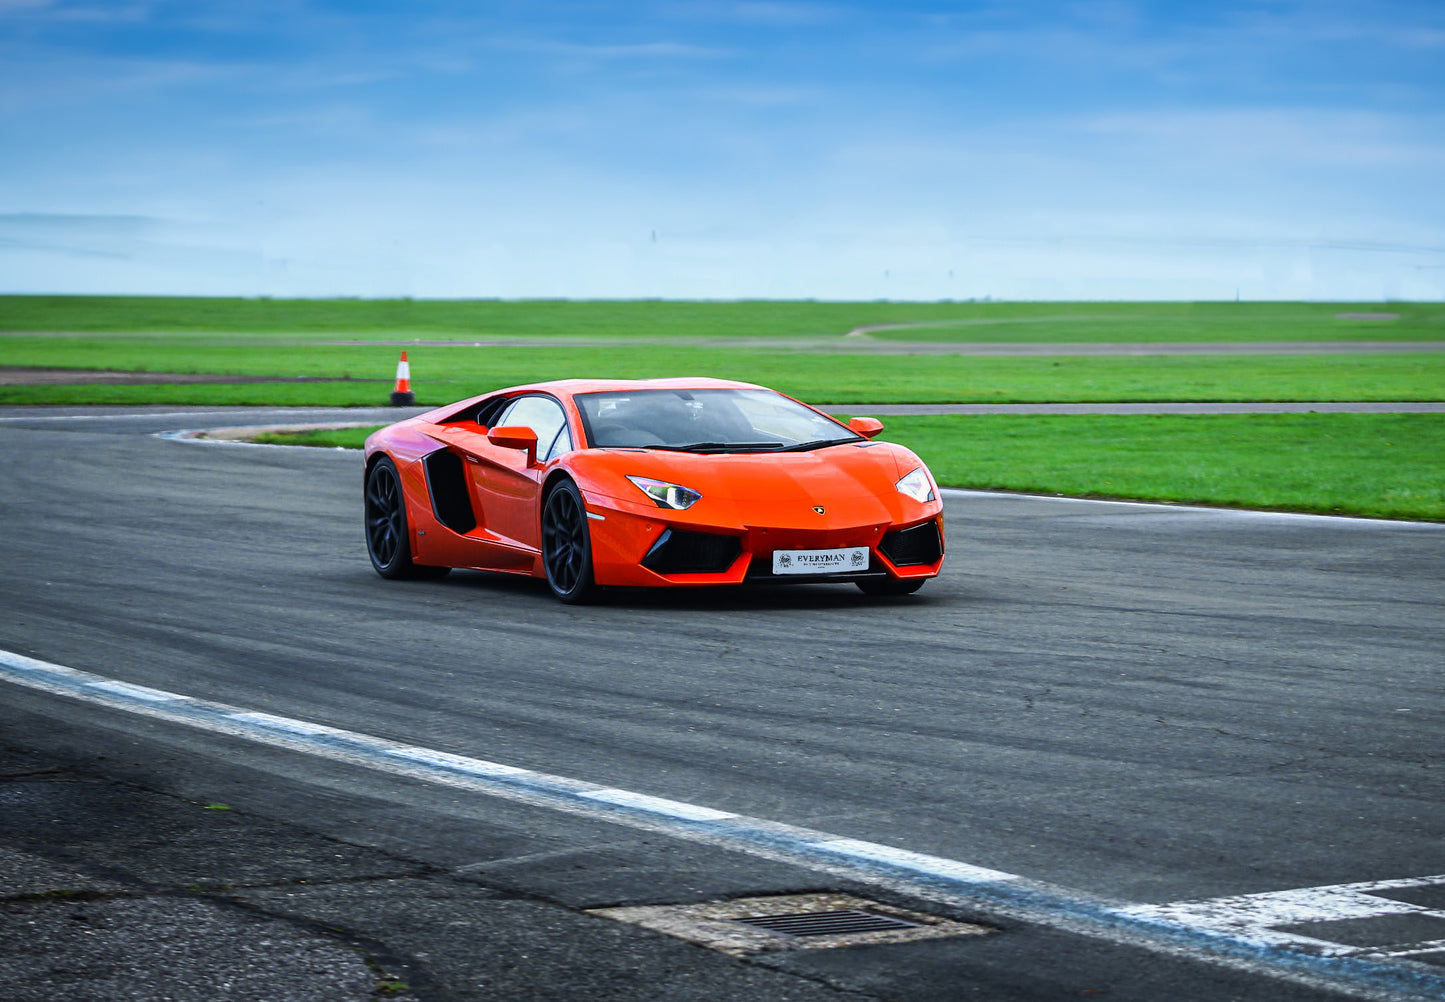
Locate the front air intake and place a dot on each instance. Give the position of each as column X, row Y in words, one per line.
column 680, row 552
column 911, row 547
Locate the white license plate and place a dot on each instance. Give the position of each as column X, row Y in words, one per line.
column 851, row 558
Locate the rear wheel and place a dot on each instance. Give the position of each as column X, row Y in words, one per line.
column 388, row 539
column 567, row 544
column 890, row 586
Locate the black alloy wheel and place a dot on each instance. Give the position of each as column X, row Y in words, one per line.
column 567, row 545
column 388, row 540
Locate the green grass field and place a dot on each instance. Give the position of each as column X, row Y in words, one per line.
column 344, row 352
column 383, row 319
column 443, row 374
column 1378, row 465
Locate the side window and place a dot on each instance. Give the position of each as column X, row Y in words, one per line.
column 544, row 416
column 561, row 444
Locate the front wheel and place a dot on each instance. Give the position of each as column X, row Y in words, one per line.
column 567, row 545
column 388, row 539
column 889, row 586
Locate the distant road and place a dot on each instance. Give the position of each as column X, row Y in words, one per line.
column 167, row 416
column 856, row 342
column 1045, row 349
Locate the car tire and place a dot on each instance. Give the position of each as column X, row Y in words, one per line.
column 388, row 537
column 567, row 544
column 889, row 586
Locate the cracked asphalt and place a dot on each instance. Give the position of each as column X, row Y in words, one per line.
column 111, row 892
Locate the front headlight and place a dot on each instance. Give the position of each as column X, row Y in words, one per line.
column 916, row 485
column 667, row 495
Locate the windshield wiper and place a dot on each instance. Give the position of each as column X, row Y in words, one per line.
column 817, row 443
column 722, row 447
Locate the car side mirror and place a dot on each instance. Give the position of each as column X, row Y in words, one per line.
column 516, row 437
column 866, row 426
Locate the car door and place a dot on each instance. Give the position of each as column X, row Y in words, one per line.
column 506, row 484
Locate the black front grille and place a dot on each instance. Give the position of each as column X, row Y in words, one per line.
column 911, row 547
column 680, row 552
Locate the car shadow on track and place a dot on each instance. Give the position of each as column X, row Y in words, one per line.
column 726, row 598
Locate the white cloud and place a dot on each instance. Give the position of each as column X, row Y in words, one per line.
column 1310, row 138
column 655, row 50
column 777, row 15
column 61, row 13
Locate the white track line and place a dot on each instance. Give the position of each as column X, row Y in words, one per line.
column 1258, row 915
column 1181, row 930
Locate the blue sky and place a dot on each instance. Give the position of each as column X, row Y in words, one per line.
column 712, row 149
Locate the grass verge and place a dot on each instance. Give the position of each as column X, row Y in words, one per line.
column 319, row 438
column 1371, row 465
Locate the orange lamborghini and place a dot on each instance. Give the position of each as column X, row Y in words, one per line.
column 661, row 482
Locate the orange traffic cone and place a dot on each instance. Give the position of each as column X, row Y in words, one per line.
column 402, row 395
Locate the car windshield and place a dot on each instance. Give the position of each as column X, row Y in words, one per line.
column 706, row 420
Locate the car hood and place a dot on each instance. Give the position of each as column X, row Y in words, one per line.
column 836, row 472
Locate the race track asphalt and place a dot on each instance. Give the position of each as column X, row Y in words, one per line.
column 1133, row 704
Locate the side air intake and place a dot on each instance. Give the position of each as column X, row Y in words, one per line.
column 446, row 482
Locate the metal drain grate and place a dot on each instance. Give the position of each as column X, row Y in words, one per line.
column 839, row 923
column 819, row 921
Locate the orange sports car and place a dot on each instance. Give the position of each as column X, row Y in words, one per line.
column 659, row 482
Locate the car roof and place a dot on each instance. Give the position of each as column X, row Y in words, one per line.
column 572, row 387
